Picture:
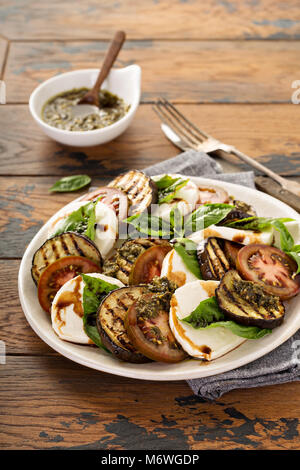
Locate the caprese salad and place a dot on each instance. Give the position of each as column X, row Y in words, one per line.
column 160, row 269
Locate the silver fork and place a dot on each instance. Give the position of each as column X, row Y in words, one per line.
column 185, row 135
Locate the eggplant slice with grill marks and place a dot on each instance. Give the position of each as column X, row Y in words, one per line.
column 110, row 323
column 241, row 210
column 140, row 189
column 212, row 260
column 122, row 263
column 247, row 303
column 60, row 246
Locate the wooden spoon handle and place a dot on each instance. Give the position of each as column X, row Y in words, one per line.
column 109, row 59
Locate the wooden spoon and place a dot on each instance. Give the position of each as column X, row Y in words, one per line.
column 92, row 96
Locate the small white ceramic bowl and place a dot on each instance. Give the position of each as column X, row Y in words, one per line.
column 125, row 82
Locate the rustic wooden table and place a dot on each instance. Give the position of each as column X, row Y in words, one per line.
column 230, row 66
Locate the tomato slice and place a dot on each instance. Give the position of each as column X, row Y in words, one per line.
column 269, row 267
column 151, row 334
column 58, row 273
column 212, row 195
column 114, row 198
column 231, row 252
column 148, row 264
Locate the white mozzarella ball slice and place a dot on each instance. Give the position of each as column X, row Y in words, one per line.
column 67, row 309
column 204, row 343
column 174, row 269
column 186, row 199
column 245, row 237
column 106, row 228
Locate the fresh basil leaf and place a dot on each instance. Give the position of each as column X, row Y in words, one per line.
column 150, row 225
column 209, row 315
column 206, row 215
column 188, row 254
column 286, row 239
column 165, row 182
column 206, row 313
column 255, row 223
column 81, row 221
column 249, row 332
column 169, row 188
column 70, row 183
column 94, row 291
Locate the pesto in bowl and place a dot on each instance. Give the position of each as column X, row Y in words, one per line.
column 57, row 111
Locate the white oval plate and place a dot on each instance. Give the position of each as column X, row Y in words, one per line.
column 95, row 358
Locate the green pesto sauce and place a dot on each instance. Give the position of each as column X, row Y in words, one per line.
column 57, row 111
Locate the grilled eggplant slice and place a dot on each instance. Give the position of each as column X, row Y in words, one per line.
column 247, row 303
column 60, row 246
column 110, row 323
column 212, row 260
column 140, row 189
column 241, row 210
column 123, row 262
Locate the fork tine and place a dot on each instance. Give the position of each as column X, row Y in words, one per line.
column 181, row 123
column 165, row 117
column 179, row 114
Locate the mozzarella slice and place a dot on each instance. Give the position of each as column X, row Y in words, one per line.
column 186, row 199
column 174, row 269
column 206, row 344
column 106, row 228
column 294, row 229
column 67, row 309
column 245, row 237
column 106, row 223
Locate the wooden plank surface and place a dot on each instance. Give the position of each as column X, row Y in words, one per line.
column 211, row 71
column 268, row 133
column 70, row 406
column 184, row 19
column 238, row 59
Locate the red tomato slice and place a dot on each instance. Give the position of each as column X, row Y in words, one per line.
column 114, row 198
column 58, row 273
column 269, row 267
column 152, row 336
column 148, row 264
column 212, row 195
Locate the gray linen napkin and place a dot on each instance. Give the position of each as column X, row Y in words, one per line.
column 280, row 365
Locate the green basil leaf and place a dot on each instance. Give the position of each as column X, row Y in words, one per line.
column 286, row 239
column 81, row 221
column 249, row 332
column 256, row 223
column 206, row 313
column 188, row 255
column 206, row 215
column 209, row 315
column 70, row 183
column 150, row 225
column 165, row 182
column 169, row 188
column 94, row 291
